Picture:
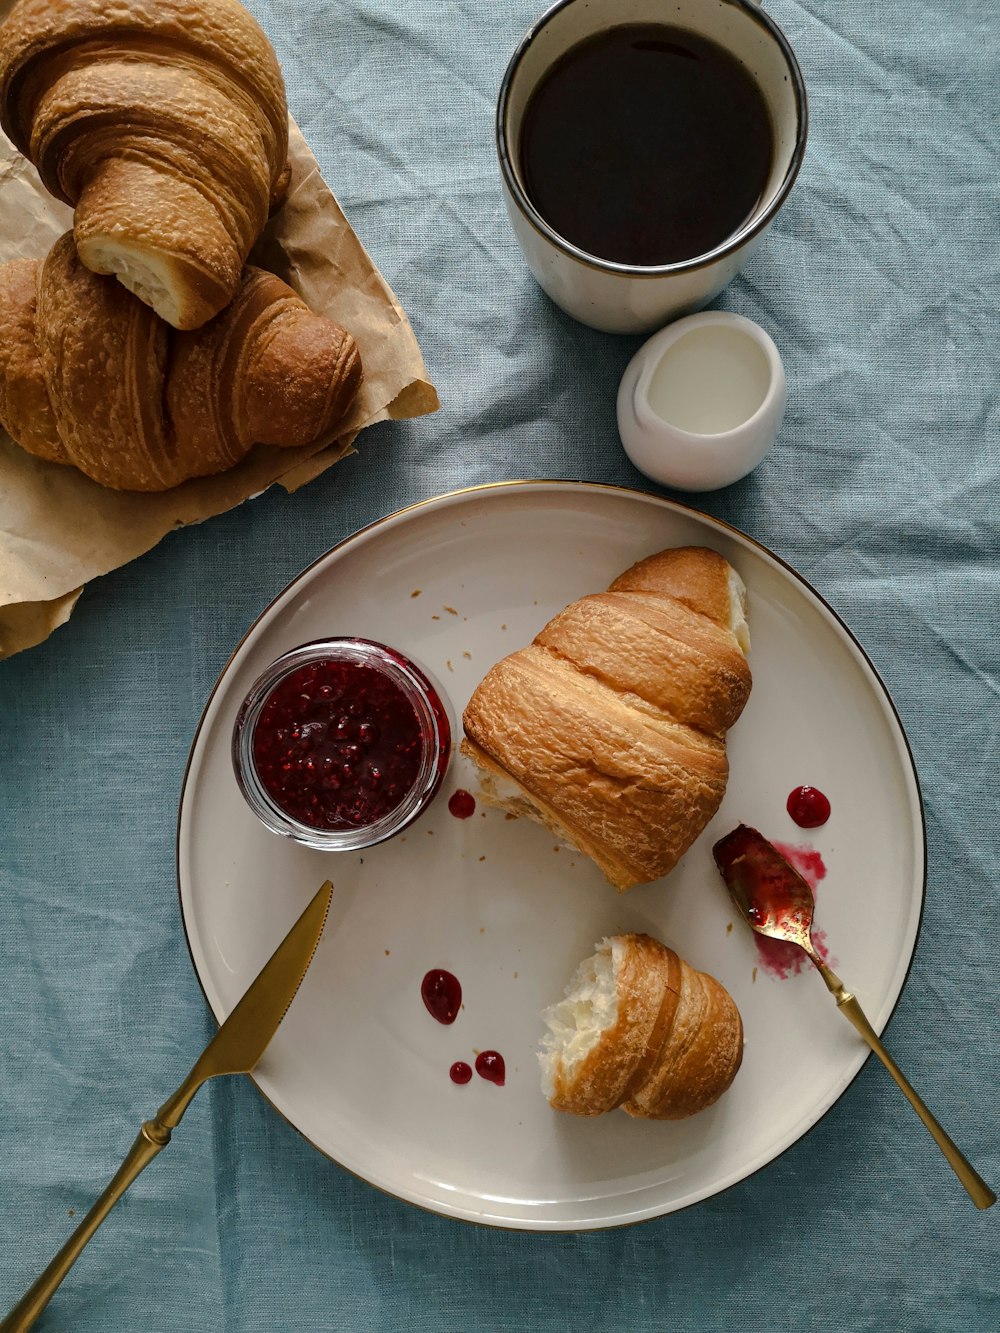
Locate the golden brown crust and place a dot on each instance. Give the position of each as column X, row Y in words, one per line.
column 103, row 357
column 693, row 575
column 24, row 400
column 670, row 657
column 284, row 409
column 264, row 371
column 612, row 723
column 164, row 123
column 90, row 376
column 700, row 1056
column 648, row 983
column 674, row 1047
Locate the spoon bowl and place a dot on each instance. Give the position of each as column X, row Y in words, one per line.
column 771, row 895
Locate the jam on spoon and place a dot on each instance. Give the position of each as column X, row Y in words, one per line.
column 777, row 902
column 770, row 893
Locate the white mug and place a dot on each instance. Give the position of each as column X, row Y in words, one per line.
column 628, row 298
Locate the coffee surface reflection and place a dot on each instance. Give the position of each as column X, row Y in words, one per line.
column 646, row 144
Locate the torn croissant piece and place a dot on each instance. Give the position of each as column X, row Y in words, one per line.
column 640, row 1029
column 90, row 376
column 610, row 728
column 164, row 124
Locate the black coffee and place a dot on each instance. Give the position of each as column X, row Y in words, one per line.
column 646, row 144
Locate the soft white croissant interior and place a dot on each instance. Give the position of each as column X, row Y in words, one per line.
column 738, row 610
column 588, row 1009
column 146, row 274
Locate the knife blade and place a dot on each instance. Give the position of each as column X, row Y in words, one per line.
column 244, row 1036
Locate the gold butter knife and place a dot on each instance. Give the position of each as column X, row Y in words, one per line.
column 235, row 1049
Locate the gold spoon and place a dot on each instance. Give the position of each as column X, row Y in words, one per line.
column 777, row 902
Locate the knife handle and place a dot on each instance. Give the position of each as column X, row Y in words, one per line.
column 151, row 1140
column 976, row 1187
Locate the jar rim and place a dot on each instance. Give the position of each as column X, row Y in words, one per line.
column 420, row 693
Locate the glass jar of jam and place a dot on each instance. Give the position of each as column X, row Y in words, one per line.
column 340, row 744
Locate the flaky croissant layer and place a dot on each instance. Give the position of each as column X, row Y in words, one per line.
column 640, row 1029
column 610, row 728
column 164, row 124
column 91, row 377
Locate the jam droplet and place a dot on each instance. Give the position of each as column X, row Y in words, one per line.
column 490, row 1066
column 337, row 745
column 442, row 994
column 460, row 1072
column 462, row 804
column 808, row 807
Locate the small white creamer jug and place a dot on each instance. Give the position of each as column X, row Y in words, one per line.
column 701, row 401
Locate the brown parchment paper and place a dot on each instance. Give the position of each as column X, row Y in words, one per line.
column 59, row 530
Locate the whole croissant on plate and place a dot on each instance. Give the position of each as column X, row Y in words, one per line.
column 610, row 728
column 91, row 377
column 640, row 1029
column 164, row 124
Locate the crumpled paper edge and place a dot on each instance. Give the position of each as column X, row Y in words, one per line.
column 27, row 624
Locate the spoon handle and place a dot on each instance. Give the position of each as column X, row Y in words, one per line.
column 978, row 1190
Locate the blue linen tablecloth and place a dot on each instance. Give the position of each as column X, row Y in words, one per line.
column 880, row 283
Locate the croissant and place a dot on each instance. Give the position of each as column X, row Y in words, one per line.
column 90, row 376
column 641, row 1029
column 610, row 727
column 164, row 124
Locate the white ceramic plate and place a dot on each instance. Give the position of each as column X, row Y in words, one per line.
column 358, row 1065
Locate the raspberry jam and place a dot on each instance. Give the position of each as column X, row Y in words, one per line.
column 808, row 807
column 490, row 1066
column 441, row 992
column 341, row 743
column 462, row 804
column 337, row 745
